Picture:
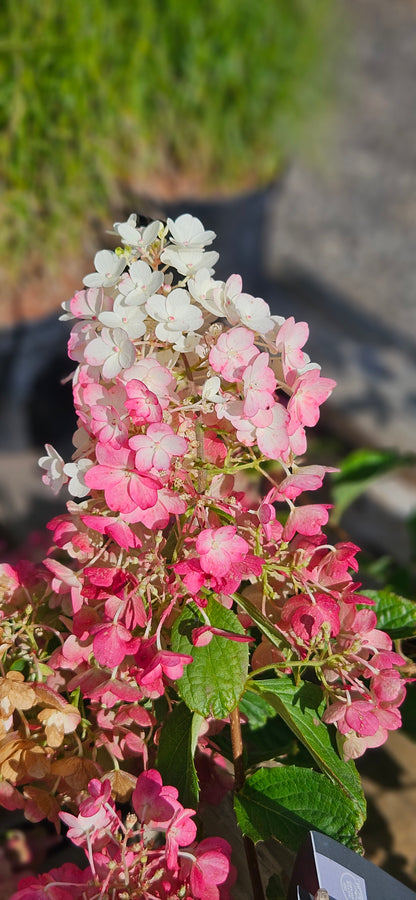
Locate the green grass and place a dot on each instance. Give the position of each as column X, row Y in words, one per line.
column 98, row 93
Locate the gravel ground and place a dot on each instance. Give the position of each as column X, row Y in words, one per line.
column 353, row 224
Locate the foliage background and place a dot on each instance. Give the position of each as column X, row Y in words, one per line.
column 101, row 97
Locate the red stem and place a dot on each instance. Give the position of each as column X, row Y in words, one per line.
column 249, row 846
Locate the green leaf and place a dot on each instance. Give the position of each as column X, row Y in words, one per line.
column 175, row 758
column 264, row 739
column 395, row 614
column 286, row 802
column 266, row 736
column 358, row 470
column 45, row 670
column 214, row 682
column 261, row 621
column 256, row 709
column 301, row 708
column 19, row 665
column 222, row 515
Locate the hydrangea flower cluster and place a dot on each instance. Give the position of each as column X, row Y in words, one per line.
column 185, row 388
column 128, row 859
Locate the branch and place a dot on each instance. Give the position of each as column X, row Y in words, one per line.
column 249, row 846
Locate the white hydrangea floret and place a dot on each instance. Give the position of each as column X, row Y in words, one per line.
column 187, row 262
column 140, row 283
column 54, row 476
column 226, row 295
column 188, row 343
column 186, row 252
column 175, row 314
column 112, row 350
column 109, row 268
column 137, row 237
column 188, row 232
column 253, row 312
column 150, row 233
column 129, row 318
column 76, row 473
column 206, row 291
column 211, row 389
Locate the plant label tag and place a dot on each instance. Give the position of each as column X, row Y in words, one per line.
column 339, row 881
column 323, row 864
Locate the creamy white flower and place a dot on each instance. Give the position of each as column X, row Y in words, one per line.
column 112, row 350
column 150, row 233
column 140, row 283
column 76, row 474
column 187, row 262
column 206, row 291
column 54, row 476
column 175, row 314
column 109, row 268
column 211, row 388
column 129, row 318
column 253, row 312
column 137, row 237
column 188, row 231
column 187, row 343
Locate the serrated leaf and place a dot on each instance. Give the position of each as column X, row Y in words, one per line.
column 358, row 470
column 175, row 758
column 214, row 682
column 301, row 709
column 395, row 614
column 286, row 802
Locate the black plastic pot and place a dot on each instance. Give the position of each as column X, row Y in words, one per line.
column 239, row 221
column 35, row 407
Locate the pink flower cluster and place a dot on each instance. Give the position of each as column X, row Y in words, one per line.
column 184, row 388
column 130, row 860
column 324, row 620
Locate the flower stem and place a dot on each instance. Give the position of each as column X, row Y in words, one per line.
column 249, row 847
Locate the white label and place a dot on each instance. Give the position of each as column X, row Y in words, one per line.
column 341, row 883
